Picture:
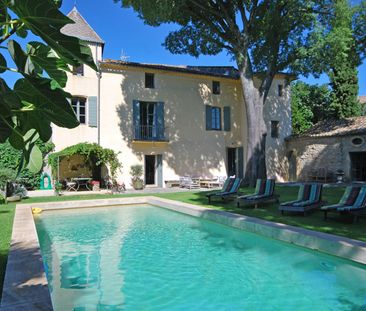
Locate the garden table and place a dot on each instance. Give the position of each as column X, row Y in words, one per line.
column 82, row 182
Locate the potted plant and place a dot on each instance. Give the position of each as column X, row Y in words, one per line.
column 57, row 188
column 136, row 173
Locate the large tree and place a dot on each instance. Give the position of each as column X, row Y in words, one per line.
column 263, row 36
column 37, row 98
column 343, row 59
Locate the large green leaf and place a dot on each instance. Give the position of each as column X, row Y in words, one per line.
column 17, row 54
column 45, row 20
column 35, row 159
column 2, row 63
column 5, row 130
column 8, row 99
column 52, row 104
column 44, row 57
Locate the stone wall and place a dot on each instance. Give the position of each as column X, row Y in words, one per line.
column 313, row 154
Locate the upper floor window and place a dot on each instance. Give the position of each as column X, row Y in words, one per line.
column 280, row 90
column 78, row 71
column 79, row 106
column 275, row 129
column 216, row 87
column 213, row 118
column 149, row 80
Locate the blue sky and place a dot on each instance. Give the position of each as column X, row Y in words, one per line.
column 126, row 34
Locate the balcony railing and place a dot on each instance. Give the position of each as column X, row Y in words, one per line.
column 150, row 133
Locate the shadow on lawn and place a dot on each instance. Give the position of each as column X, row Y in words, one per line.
column 24, row 279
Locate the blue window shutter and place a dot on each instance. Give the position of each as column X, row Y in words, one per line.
column 93, row 111
column 136, row 119
column 159, row 120
column 240, row 159
column 227, row 119
column 208, row 118
column 159, row 169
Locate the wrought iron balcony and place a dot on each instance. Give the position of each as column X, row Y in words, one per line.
column 150, row 133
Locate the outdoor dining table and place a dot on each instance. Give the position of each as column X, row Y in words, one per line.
column 82, row 182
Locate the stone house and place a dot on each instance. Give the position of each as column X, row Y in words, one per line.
column 327, row 147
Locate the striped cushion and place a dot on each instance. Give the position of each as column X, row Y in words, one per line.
column 262, row 188
column 229, row 185
column 306, row 192
column 235, row 186
column 269, row 187
column 353, row 195
column 360, row 199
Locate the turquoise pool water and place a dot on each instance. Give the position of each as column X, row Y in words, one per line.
column 149, row 258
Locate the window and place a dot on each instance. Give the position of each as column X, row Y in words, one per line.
column 275, row 129
column 213, row 118
column 216, row 87
column 357, row 141
column 79, row 106
column 78, row 71
column 280, row 90
column 149, row 81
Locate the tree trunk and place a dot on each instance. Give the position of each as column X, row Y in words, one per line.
column 255, row 164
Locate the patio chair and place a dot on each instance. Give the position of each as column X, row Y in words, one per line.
column 353, row 200
column 308, row 198
column 71, row 185
column 229, row 189
column 187, row 182
column 263, row 193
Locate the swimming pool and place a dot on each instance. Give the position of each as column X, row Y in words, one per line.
column 148, row 258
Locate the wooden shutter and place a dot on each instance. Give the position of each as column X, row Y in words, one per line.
column 93, row 111
column 159, row 120
column 159, row 170
column 240, row 159
column 208, row 118
column 136, row 119
column 227, row 119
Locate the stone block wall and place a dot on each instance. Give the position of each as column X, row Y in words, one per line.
column 311, row 154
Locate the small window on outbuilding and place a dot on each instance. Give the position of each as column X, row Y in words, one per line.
column 216, row 87
column 78, row 71
column 357, row 141
column 149, row 80
column 275, row 129
column 280, row 90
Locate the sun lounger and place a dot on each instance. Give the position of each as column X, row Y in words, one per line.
column 230, row 188
column 264, row 192
column 308, row 198
column 353, row 199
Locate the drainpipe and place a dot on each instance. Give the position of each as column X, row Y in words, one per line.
column 99, row 76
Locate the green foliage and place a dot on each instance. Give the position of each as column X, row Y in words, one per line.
column 310, row 104
column 93, row 153
column 37, row 98
column 343, row 71
column 9, row 164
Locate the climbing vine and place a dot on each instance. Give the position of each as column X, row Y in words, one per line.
column 93, row 153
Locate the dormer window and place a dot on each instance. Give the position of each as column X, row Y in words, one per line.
column 149, row 81
column 216, row 87
column 78, row 71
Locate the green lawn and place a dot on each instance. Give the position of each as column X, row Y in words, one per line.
column 269, row 212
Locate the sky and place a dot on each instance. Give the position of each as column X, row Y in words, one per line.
column 127, row 35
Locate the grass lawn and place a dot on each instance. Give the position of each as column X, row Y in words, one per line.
column 269, row 212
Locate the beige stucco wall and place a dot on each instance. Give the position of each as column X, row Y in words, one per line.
column 191, row 149
column 278, row 109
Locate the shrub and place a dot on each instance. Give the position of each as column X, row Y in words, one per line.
column 10, row 158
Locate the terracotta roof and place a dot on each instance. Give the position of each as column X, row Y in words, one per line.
column 215, row 71
column 362, row 99
column 80, row 29
column 329, row 128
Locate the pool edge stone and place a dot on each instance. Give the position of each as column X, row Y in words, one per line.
column 31, row 288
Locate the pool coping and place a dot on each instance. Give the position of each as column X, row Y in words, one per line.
column 25, row 283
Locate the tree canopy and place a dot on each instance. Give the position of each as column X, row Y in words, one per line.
column 37, row 98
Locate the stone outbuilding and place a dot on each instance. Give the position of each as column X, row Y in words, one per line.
column 327, row 150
